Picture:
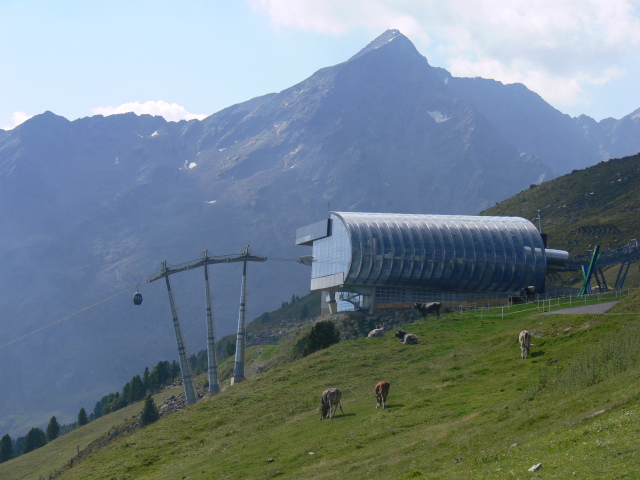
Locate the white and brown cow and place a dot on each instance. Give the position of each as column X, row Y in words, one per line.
column 525, row 343
column 330, row 401
column 381, row 392
column 376, row 332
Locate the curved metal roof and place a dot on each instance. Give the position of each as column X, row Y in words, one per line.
column 452, row 252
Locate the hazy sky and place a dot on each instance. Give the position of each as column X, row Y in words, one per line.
column 193, row 58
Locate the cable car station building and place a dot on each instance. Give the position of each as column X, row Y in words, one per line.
column 375, row 260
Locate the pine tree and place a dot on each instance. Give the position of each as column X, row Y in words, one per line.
column 18, row 445
column 137, row 389
column 175, row 370
column 149, row 412
column 126, row 393
column 53, row 429
column 6, row 448
column 97, row 410
column 154, row 381
column 35, row 439
column 230, row 350
column 106, row 405
column 161, row 371
column 82, row 417
column 146, row 380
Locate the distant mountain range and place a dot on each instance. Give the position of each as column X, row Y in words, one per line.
column 90, row 208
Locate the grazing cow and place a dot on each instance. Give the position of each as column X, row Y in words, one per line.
column 381, row 391
column 406, row 337
column 376, row 332
column 525, row 343
column 529, row 292
column 330, row 401
column 427, row 308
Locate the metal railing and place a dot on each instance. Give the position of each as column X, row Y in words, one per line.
column 541, row 304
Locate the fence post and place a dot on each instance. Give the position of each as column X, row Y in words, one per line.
column 569, row 299
column 502, row 313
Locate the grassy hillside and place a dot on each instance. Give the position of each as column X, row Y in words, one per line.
column 462, row 405
column 270, row 327
column 56, row 455
column 575, row 205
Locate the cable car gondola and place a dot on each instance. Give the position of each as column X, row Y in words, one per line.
column 137, row 298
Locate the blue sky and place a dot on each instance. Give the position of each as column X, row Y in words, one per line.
column 191, row 59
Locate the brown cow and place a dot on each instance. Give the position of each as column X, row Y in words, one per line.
column 330, row 401
column 381, row 391
column 525, row 343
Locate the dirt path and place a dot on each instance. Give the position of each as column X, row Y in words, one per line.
column 593, row 309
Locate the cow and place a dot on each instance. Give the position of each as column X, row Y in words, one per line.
column 406, row 337
column 426, row 308
column 329, row 403
column 376, row 332
column 525, row 343
column 528, row 292
column 381, row 392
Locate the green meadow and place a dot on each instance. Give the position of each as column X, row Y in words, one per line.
column 462, row 404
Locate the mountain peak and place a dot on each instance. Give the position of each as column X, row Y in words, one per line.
column 393, row 38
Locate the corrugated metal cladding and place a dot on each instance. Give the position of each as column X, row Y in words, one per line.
column 461, row 253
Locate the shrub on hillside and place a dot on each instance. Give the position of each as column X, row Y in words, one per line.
column 322, row 335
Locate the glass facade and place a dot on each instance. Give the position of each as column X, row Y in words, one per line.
column 433, row 252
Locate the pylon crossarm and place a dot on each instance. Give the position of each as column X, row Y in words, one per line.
column 206, row 260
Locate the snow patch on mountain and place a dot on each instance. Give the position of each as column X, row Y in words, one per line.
column 438, row 117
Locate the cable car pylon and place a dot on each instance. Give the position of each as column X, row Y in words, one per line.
column 185, row 367
column 244, row 256
column 212, row 356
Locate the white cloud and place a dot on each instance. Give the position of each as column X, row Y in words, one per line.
column 16, row 119
column 172, row 112
column 557, row 48
column 337, row 17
